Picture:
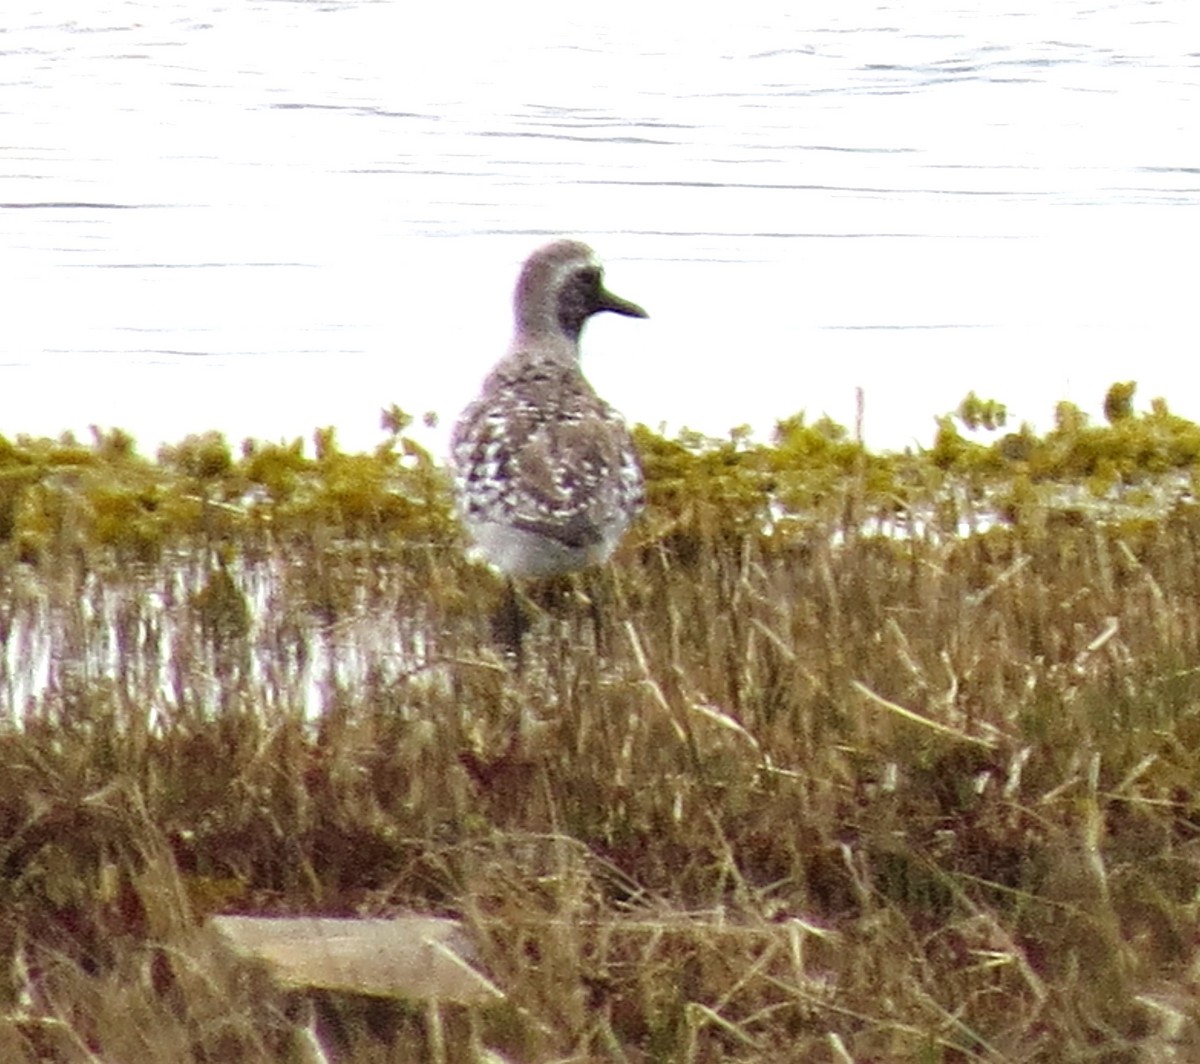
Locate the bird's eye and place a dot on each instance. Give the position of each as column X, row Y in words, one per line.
column 589, row 276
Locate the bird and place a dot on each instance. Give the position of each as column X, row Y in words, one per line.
column 547, row 476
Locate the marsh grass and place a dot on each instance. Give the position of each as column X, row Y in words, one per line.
column 874, row 758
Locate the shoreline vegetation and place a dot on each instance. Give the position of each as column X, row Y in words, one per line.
column 859, row 756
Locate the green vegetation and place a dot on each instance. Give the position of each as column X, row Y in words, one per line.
column 873, row 757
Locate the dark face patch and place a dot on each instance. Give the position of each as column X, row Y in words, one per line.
column 579, row 299
column 583, row 294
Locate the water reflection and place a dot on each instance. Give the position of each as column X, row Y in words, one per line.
column 284, row 215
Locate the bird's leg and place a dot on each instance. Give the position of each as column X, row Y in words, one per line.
column 594, row 590
column 509, row 625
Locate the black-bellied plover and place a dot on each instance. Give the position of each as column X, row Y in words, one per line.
column 548, row 478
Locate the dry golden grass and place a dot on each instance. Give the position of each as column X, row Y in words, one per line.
column 815, row 791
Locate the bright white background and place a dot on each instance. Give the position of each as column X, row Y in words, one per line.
column 267, row 216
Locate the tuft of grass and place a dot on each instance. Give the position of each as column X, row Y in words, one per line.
column 849, row 757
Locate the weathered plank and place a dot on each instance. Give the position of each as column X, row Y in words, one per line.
column 422, row 958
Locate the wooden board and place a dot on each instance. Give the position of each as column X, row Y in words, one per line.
column 423, row 958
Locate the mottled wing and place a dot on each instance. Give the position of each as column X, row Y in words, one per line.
column 541, row 452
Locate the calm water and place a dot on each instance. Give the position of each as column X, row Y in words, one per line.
column 263, row 217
